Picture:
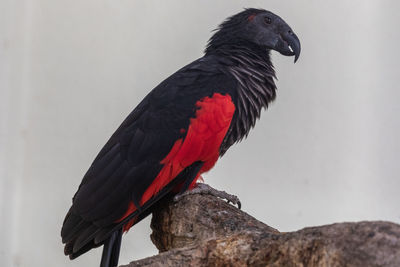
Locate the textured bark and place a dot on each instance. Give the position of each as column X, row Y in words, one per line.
column 201, row 230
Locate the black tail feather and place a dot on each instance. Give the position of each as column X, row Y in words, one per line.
column 111, row 249
column 81, row 236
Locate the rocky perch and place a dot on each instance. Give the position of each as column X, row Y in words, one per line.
column 201, row 230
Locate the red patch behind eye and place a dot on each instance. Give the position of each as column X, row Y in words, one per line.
column 251, row 17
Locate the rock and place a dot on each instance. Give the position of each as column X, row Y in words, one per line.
column 201, row 230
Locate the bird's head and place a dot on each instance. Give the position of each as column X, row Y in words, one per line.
column 256, row 27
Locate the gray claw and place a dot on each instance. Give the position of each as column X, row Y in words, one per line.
column 202, row 188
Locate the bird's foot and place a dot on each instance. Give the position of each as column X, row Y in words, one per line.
column 205, row 189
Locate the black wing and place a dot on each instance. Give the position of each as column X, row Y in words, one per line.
column 130, row 160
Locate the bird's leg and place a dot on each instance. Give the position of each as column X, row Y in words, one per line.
column 205, row 189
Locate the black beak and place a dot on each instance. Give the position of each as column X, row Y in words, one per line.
column 294, row 44
column 289, row 45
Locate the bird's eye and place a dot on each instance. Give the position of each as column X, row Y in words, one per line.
column 268, row 20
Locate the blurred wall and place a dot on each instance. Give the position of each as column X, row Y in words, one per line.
column 326, row 151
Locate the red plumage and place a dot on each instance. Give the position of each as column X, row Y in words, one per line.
column 202, row 142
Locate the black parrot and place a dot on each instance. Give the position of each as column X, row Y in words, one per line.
column 178, row 131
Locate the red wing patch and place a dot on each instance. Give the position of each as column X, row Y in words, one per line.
column 202, row 143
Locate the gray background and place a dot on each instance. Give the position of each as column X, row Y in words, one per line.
column 326, row 151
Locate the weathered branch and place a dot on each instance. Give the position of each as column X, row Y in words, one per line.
column 202, row 230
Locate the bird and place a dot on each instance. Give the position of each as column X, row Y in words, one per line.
column 178, row 131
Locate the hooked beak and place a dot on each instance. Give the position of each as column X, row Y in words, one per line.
column 288, row 45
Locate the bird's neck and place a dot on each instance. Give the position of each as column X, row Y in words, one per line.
column 254, row 73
